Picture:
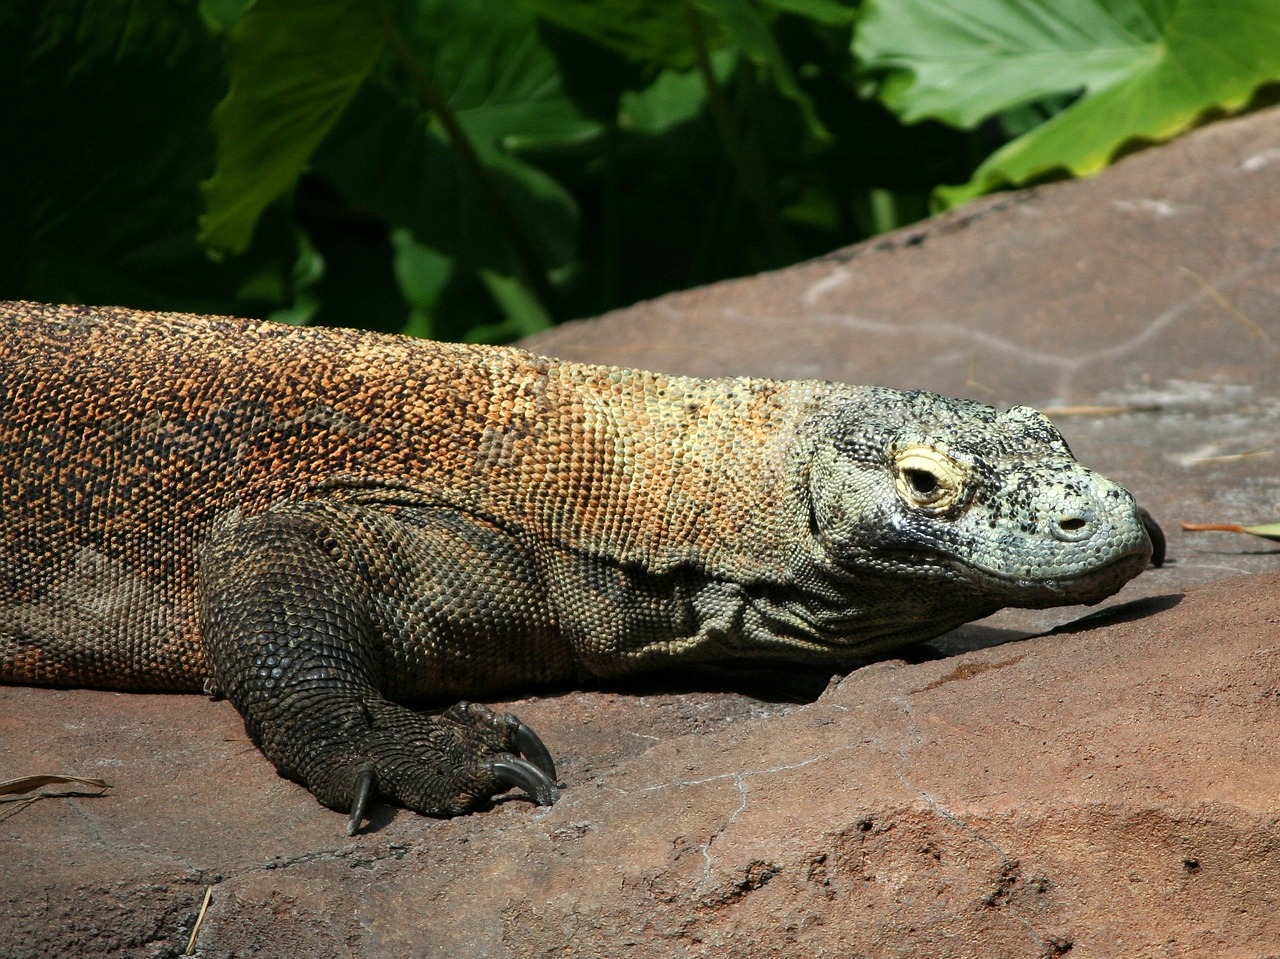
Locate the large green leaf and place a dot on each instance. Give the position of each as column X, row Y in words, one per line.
column 1145, row 69
column 386, row 158
column 392, row 157
column 750, row 31
column 295, row 65
column 500, row 80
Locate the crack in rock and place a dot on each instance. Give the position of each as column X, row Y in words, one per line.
column 990, row 344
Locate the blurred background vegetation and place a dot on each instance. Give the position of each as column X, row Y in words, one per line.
column 472, row 169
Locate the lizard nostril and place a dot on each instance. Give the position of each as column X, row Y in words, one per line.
column 1074, row 526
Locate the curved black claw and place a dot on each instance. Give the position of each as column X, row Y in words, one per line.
column 1157, row 537
column 359, row 805
column 511, row 770
column 533, row 749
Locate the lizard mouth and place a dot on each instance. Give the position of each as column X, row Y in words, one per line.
column 1086, row 586
column 1024, row 588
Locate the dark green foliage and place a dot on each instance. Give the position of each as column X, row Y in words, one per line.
column 471, row 170
column 106, row 137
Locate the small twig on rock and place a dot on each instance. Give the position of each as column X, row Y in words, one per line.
column 195, row 930
column 1267, row 531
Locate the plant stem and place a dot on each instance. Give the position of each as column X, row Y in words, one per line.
column 530, row 265
column 750, row 176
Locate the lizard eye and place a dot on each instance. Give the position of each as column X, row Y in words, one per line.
column 928, row 478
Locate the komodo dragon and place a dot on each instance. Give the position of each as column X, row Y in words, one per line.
column 323, row 525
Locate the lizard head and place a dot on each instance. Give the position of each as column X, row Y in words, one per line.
column 971, row 509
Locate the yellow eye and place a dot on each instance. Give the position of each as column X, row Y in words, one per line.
column 929, row 478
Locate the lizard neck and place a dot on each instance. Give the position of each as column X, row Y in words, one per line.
column 670, row 473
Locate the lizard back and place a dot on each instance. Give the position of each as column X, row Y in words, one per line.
column 125, row 436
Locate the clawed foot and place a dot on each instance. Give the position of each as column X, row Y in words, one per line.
column 450, row 763
column 297, row 642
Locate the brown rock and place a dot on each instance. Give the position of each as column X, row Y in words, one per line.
column 1109, row 790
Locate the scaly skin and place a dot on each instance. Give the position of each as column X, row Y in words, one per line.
column 327, row 526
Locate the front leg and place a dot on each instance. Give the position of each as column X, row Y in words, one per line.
column 291, row 629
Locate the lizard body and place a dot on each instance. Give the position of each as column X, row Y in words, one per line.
column 324, row 525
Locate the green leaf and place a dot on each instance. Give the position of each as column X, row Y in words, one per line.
column 524, row 315
column 499, row 78
column 295, row 65
column 391, row 156
column 673, row 98
column 658, row 31
column 388, row 158
column 963, row 62
column 423, row 274
column 830, row 12
column 421, row 271
column 432, row 145
column 650, row 31
column 1266, row 531
column 222, row 15
column 750, row 31
column 1145, row 69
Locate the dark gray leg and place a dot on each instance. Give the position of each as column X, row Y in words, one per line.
column 289, row 626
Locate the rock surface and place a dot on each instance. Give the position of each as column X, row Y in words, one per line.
column 1109, row 788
